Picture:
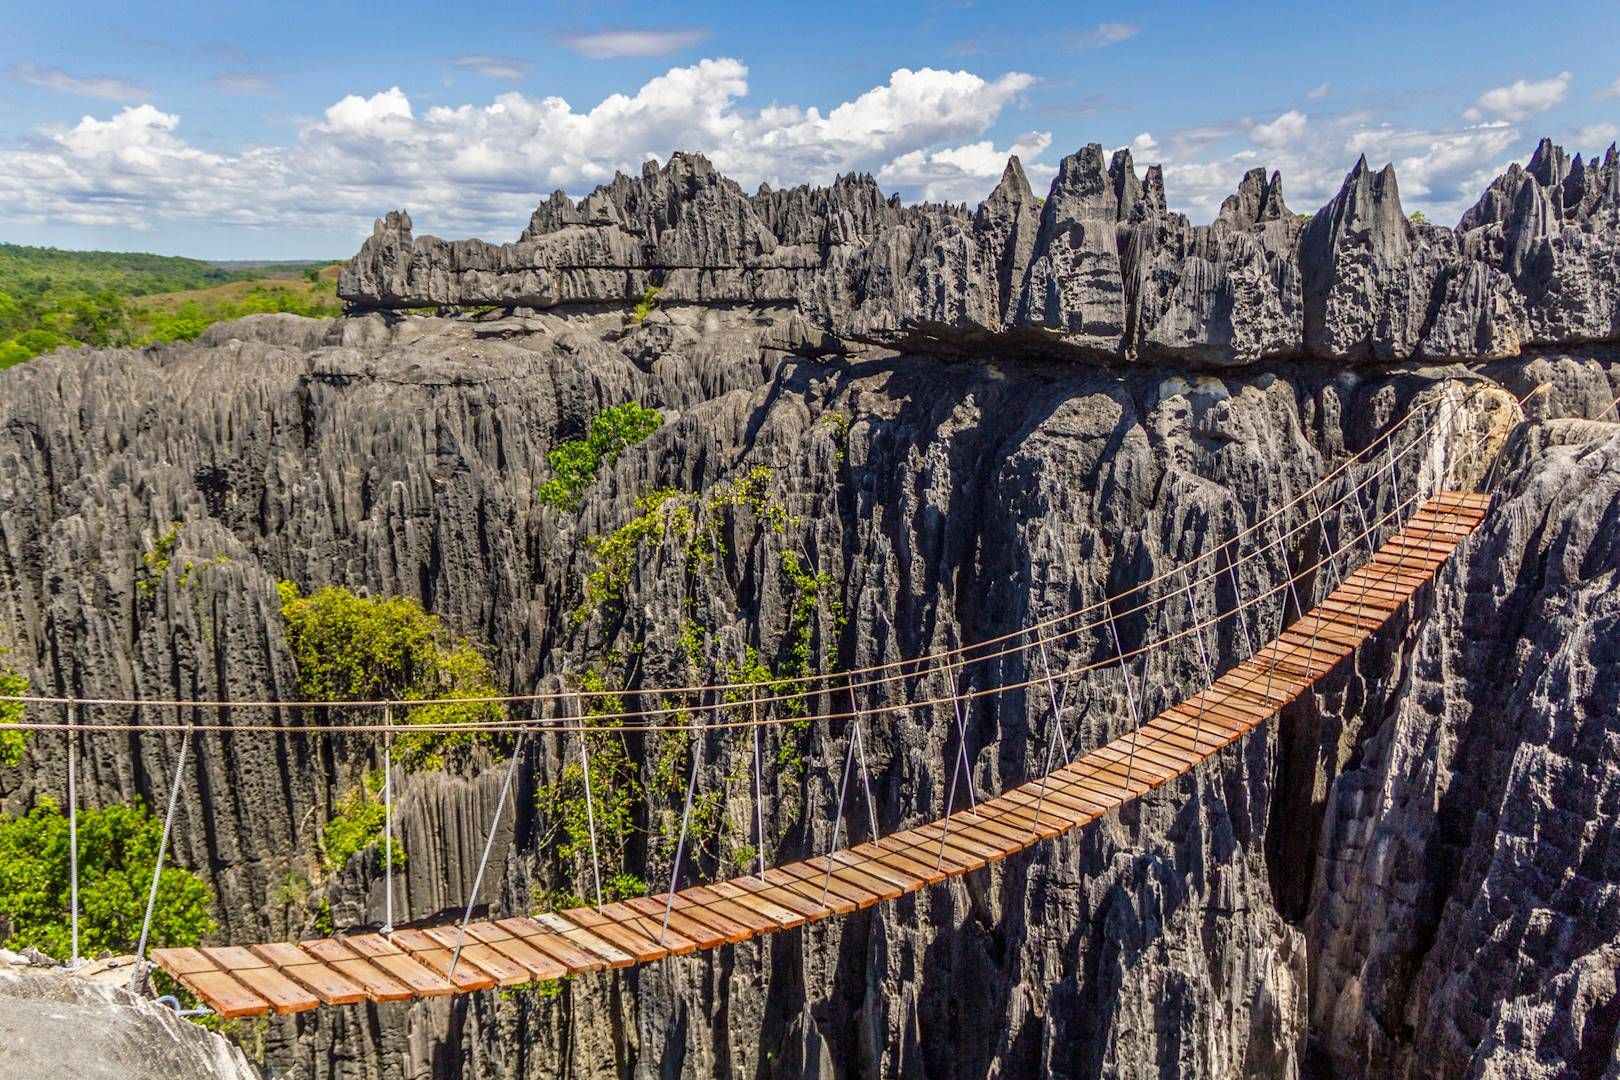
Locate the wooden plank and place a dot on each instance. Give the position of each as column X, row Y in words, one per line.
column 332, row 987
column 585, row 939
column 930, row 872
column 327, row 949
column 1087, row 806
column 281, row 954
column 746, row 892
column 182, row 961
column 578, row 961
column 736, row 911
column 985, row 853
column 233, row 958
column 422, row 980
column 536, row 963
column 1082, row 807
column 222, row 993
column 632, row 940
column 818, row 900
column 643, row 928
column 713, row 913
column 378, row 984
column 871, row 890
column 826, row 891
column 687, row 925
column 502, row 968
column 1009, row 836
column 1184, row 733
column 909, row 844
column 371, row 945
column 439, row 959
column 777, row 892
column 575, row 934
column 897, row 879
column 284, row 995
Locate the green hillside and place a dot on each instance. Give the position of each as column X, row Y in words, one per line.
column 51, row 298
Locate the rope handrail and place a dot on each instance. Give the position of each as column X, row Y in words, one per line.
column 551, row 725
column 919, row 664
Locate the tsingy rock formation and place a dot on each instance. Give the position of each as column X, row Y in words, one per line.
column 1100, row 269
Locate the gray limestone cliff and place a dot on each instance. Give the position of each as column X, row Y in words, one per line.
column 1100, row 269
column 1409, row 874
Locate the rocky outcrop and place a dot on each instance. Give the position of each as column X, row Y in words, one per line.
column 1405, row 876
column 55, row 1024
column 1099, row 270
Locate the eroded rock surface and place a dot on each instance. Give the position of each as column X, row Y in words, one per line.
column 58, row 1025
column 1099, row 270
column 1408, row 875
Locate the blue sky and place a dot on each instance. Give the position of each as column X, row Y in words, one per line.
column 226, row 132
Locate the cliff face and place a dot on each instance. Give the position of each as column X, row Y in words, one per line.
column 1411, row 875
column 1099, row 270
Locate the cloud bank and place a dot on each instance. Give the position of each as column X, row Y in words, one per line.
column 479, row 169
column 482, row 168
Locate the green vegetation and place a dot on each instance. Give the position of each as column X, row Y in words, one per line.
column 615, row 796
column 575, row 463
column 644, row 306
column 12, row 741
column 51, row 299
column 541, row 988
column 1418, row 217
column 191, row 315
column 358, row 826
column 361, row 647
column 839, row 423
column 117, row 850
column 650, row 798
column 616, row 552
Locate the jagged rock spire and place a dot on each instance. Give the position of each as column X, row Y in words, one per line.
column 1101, row 268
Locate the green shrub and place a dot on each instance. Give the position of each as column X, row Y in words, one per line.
column 644, row 306
column 574, row 464
column 117, row 851
column 358, row 826
column 12, row 741
column 361, row 647
column 615, row 796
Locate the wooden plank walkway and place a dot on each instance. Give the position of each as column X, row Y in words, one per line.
column 286, row 978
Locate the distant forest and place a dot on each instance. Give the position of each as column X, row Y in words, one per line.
column 50, row 299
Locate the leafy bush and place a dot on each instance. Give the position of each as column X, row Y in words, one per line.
column 363, row 647
column 616, row 795
column 12, row 741
column 574, row 464
column 644, row 306
column 117, row 851
column 1418, row 217
column 358, row 825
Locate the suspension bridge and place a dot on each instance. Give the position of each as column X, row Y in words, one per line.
column 1405, row 541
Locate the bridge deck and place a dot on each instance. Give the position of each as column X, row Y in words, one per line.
column 237, row 981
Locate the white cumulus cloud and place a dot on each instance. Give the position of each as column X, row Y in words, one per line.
column 1522, row 99
column 1608, row 93
column 1285, row 129
column 967, row 173
column 479, row 169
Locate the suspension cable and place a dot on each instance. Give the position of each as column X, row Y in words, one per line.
column 904, row 668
